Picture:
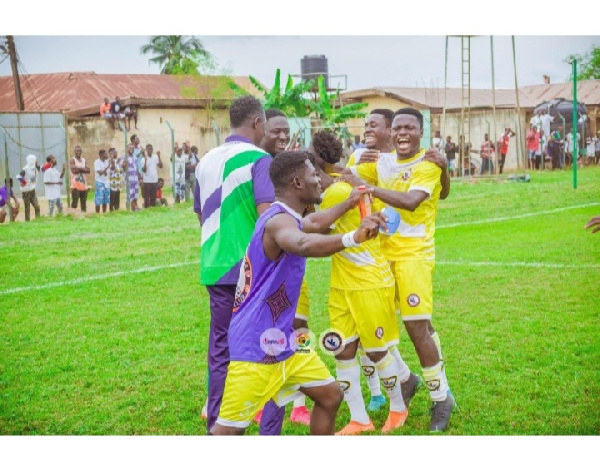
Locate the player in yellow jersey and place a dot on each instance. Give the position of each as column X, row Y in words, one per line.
column 412, row 186
column 361, row 303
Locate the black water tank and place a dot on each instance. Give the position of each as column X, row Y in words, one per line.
column 311, row 66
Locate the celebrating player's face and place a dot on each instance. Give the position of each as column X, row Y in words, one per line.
column 277, row 135
column 312, row 184
column 376, row 131
column 406, row 135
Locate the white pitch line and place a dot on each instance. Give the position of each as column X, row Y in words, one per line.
column 539, row 265
column 516, row 217
column 96, row 277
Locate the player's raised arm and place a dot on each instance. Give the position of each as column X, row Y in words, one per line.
column 283, row 234
column 319, row 222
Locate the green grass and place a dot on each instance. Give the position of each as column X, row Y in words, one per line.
column 126, row 354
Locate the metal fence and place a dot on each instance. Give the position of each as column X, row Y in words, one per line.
column 40, row 134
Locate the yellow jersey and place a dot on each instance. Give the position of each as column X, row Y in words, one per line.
column 414, row 239
column 360, row 268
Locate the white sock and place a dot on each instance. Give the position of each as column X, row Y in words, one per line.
column 388, row 373
column 435, row 378
column 403, row 370
column 370, row 373
column 300, row 401
column 348, row 376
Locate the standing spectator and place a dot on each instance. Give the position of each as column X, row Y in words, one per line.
column 232, row 219
column 102, row 183
column 28, row 178
column 79, row 186
column 116, row 111
column 450, row 150
column 4, row 203
column 535, row 121
column 116, row 178
column 132, row 178
column 105, row 112
column 569, row 146
column 438, row 142
column 503, row 147
column 541, row 150
column 53, row 180
column 150, row 167
column 190, row 172
column 357, row 144
column 546, row 120
column 590, row 152
column 464, row 153
column 597, row 147
column 554, row 150
column 138, row 153
column 533, row 142
column 187, row 153
column 179, row 182
column 487, row 153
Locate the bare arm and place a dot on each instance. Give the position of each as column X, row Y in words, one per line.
column 260, row 208
column 160, row 164
column 407, row 201
column 319, row 222
column 435, row 156
column 282, row 234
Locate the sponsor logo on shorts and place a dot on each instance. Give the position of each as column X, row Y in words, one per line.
column 379, row 332
column 332, row 341
column 433, row 385
column 302, row 341
column 368, row 371
column 413, row 300
column 273, row 341
column 389, row 382
column 344, row 385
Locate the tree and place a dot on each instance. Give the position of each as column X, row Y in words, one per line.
column 588, row 64
column 176, row 54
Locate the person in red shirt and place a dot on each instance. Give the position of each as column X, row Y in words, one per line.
column 503, row 146
column 487, row 153
column 533, row 144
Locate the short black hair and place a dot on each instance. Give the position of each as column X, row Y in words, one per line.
column 133, row 136
column 285, row 166
column 272, row 113
column 244, row 108
column 101, row 151
column 194, row 149
column 327, row 146
column 48, row 158
column 411, row 111
column 161, row 179
column 386, row 113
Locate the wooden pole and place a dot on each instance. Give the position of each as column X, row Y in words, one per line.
column 12, row 53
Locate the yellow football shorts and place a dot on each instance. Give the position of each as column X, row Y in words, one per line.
column 414, row 289
column 365, row 314
column 249, row 385
column 303, row 308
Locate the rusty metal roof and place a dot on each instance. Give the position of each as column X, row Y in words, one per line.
column 588, row 92
column 78, row 92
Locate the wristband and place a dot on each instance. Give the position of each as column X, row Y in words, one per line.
column 348, row 240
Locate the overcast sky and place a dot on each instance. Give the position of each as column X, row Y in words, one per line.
column 353, row 44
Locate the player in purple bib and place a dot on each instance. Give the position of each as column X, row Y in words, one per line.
column 266, row 361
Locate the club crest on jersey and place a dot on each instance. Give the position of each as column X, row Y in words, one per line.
column 406, row 175
column 389, row 382
column 344, row 385
column 368, row 371
column 413, row 300
column 379, row 332
column 433, row 385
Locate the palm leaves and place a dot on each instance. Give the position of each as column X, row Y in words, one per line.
column 175, row 54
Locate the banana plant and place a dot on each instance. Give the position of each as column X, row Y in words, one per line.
column 332, row 115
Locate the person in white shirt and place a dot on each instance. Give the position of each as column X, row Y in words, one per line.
column 27, row 179
column 102, row 186
column 150, row 167
column 570, row 147
column 545, row 120
column 53, row 180
column 179, row 182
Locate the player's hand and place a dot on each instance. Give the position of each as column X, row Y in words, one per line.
column 354, row 196
column 594, row 222
column 368, row 156
column 369, row 227
column 434, row 156
column 352, row 180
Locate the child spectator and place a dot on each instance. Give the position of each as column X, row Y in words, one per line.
column 160, row 201
column 102, row 184
column 53, row 180
column 4, row 203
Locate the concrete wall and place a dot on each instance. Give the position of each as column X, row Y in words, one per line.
column 94, row 133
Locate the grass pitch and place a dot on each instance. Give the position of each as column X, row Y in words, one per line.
column 104, row 326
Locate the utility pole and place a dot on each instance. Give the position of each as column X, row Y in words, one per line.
column 12, row 53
